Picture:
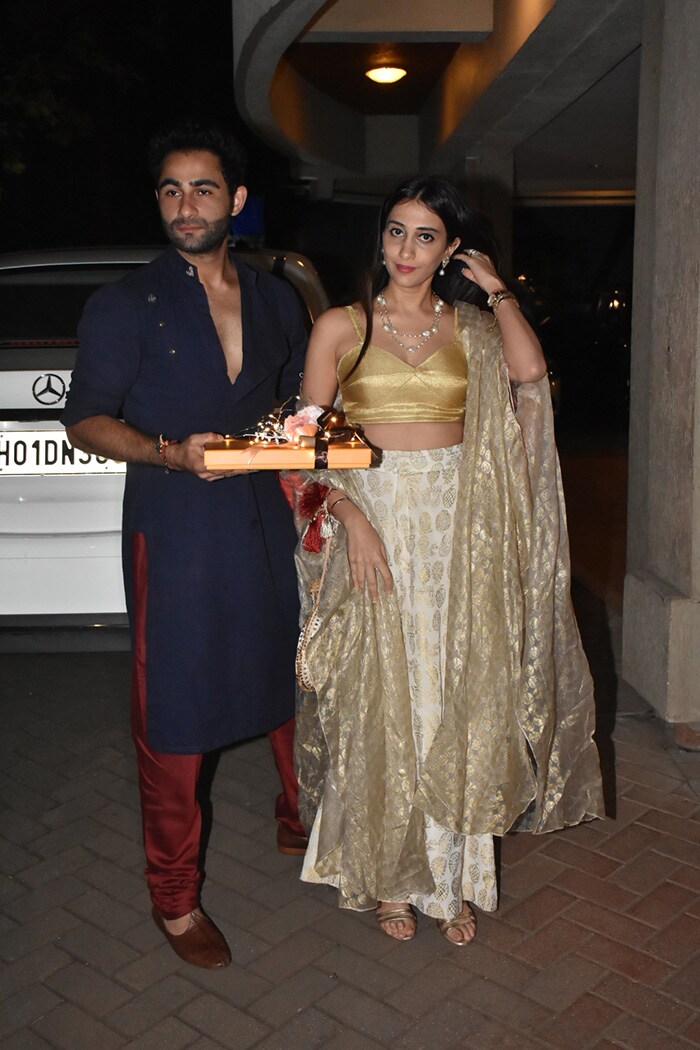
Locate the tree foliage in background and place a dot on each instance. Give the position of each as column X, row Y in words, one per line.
column 55, row 70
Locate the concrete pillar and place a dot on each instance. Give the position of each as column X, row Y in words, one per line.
column 661, row 618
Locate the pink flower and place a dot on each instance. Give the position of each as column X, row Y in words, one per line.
column 303, row 422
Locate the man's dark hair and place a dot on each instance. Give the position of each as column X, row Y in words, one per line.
column 190, row 135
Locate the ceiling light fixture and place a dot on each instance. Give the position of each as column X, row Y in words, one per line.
column 385, row 74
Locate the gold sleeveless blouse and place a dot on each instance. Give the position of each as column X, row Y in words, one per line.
column 385, row 389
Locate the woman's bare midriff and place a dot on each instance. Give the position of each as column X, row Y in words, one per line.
column 412, row 437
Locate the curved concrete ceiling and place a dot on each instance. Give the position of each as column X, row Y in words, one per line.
column 505, row 71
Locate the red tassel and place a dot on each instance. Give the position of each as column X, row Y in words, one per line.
column 312, row 537
column 311, row 498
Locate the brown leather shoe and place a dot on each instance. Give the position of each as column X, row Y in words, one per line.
column 201, row 944
column 290, row 842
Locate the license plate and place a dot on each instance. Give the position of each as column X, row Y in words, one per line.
column 27, row 452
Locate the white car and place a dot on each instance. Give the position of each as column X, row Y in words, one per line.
column 60, row 509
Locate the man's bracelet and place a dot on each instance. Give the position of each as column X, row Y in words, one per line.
column 160, row 444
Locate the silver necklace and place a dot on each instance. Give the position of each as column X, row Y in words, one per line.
column 416, row 339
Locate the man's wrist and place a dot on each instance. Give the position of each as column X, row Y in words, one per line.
column 161, row 445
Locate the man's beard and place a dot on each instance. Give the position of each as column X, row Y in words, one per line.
column 212, row 235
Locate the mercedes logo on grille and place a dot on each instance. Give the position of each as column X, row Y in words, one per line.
column 48, row 389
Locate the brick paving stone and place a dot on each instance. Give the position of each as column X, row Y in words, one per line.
column 515, row 846
column 296, row 915
column 692, row 1031
column 98, row 948
column 352, row 1041
column 685, row 983
column 169, row 1034
column 230, row 872
column 560, row 985
column 663, row 904
column 629, row 842
column 10, row 888
column 355, row 931
column 223, row 1023
column 456, row 1025
column 245, row 947
column 152, row 1005
column 224, row 905
column 23, row 798
column 302, row 948
column 494, row 930
column 498, row 1002
column 590, row 888
column 634, row 1034
column 108, row 844
column 114, row 881
column 619, row 927
column 495, row 965
column 361, row 1012
column 628, row 961
column 411, row 959
column 20, row 829
column 25, row 1039
column 298, row 991
column 644, row 1002
column 644, row 871
column 577, row 857
column 43, row 930
column 668, row 803
column 15, row 858
column 25, row 1007
column 31, row 969
column 309, row 1030
column 687, row 876
column 681, row 849
column 66, row 863
column 678, row 942
column 88, row 989
column 357, row 970
column 539, row 908
column 121, row 819
column 672, row 825
column 105, row 912
column 550, row 942
column 70, row 1028
column 52, row 894
column 234, row 984
column 79, row 808
column 539, row 870
column 283, row 890
column 575, row 1028
column 149, row 967
column 60, row 839
column 418, row 994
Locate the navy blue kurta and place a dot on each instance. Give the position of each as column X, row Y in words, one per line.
column 222, row 607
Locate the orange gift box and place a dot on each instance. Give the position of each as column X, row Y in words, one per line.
column 249, row 454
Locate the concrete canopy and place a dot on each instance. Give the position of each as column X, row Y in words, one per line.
column 517, row 67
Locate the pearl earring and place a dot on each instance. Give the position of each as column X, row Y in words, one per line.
column 445, row 261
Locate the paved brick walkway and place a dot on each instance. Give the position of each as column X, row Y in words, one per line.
column 596, row 943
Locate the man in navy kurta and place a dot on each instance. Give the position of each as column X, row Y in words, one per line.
column 189, row 348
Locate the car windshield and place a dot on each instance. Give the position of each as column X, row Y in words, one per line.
column 44, row 306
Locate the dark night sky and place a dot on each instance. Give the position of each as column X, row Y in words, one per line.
column 84, row 85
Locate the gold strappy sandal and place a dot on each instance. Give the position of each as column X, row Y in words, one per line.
column 397, row 914
column 466, row 920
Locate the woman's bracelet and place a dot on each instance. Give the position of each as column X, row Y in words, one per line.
column 335, row 503
column 498, row 297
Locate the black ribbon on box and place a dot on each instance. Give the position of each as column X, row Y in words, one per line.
column 332, row 426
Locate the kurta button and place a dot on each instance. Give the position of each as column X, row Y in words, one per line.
column 151, row 298
column 161, row 324
column 172, row 350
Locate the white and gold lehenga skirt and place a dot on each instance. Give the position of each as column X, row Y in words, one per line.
column 459, row 706
column 411, row 498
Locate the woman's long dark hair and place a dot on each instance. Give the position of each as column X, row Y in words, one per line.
column 445, row 200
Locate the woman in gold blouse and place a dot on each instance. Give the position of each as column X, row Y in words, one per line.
column 438, row 718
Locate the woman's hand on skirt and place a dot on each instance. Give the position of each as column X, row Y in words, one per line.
column 366, row 554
